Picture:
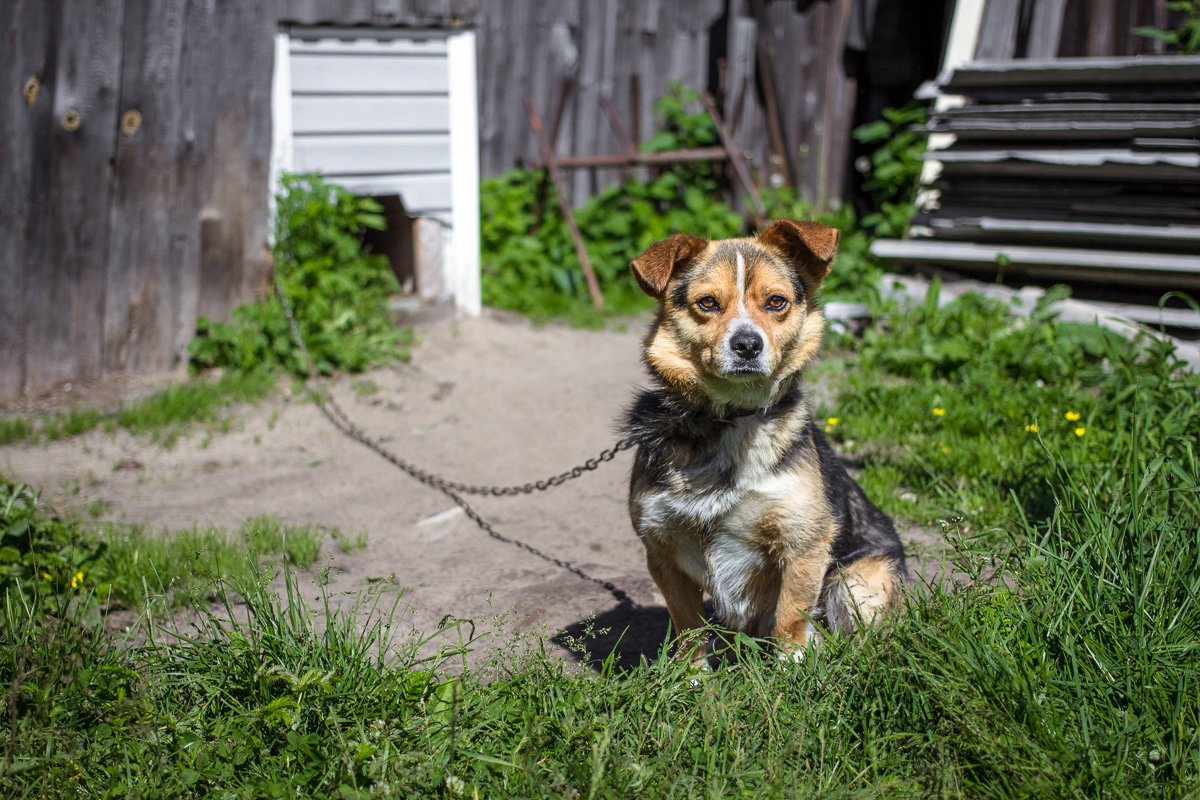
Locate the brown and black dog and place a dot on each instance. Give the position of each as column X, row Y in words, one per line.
column 735, row 490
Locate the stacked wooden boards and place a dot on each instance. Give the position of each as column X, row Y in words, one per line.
column 1084, row 170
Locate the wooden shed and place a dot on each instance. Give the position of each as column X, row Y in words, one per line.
column 137, row 152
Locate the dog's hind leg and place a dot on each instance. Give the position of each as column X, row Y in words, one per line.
column 856, row 593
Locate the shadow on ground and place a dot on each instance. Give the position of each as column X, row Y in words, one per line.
column 631, row 635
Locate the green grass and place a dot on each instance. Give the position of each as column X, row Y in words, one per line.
column 1077, row 675
column 188, row 567
column 954, row 410
column 163, row 416
column 349, row 542
column 135, row 566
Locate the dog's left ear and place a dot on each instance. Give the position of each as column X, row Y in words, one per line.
column 654, row 268
column 810, row 246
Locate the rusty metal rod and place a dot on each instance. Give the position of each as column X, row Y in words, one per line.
column 548, row 156
column 610, row 110
column 633, row 159
column 739, row 166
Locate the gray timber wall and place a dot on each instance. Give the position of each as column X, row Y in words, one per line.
column 135, row 137
column 531, row 48
column 132, row 171
column 1040, row 29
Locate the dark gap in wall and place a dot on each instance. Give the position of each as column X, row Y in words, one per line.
column 396, row 242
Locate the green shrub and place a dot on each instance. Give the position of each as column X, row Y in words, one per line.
column 529, row 265
column 45, row 562
column 895, row 168
column 529, row 262
column 338, row 292
column 1185, row 39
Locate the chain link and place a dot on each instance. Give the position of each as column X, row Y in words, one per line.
column 453, row 489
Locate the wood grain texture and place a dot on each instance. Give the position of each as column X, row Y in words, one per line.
column 530, row 48
column 998, row 30
column 1046, row 28
column 148, row 237
column 28, row 35
column 199, row 75
column 65, row 232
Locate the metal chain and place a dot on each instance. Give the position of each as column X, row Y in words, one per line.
column 453, row 489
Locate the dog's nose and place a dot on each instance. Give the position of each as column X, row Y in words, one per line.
column 746, row 344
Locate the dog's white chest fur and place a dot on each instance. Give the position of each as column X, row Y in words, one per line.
column 709, row 516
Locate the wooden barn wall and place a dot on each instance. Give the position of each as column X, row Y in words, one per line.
column 409, row 13
column 530, row 48
column 1015, row 29
column 132, row 179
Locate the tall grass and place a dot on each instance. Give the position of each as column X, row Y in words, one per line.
column 1068, row 666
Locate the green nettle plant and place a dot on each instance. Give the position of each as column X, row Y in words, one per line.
column 44, row 561
column 685, row 129
column 895, row 169
column 529, row 262
column 338, row 292
column 1185, row 38
column 529, row 265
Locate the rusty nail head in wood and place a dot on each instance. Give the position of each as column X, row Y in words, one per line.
column 71, row 121
column 30, row 90
column 131, row 122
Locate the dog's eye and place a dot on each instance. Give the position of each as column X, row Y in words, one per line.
column 708, row 303
column 776, row 302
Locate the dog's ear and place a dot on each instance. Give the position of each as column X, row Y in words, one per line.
column 810, row 246
column 654, row 268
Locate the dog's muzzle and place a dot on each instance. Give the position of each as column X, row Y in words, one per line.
column 743, row 353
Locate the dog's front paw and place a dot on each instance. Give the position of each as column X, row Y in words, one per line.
column 700, row 670
column 788, row 657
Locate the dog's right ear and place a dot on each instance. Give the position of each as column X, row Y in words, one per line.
column 654, row 268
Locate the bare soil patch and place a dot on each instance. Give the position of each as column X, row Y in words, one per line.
column 494, row 400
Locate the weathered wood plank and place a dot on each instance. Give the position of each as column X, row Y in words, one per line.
column 228, row 135
column 67, row 229
column 25, row 114
column 1046, row 28
column 1101, row 38
column 148, row 244
column 998, row 30
column 1167, row 270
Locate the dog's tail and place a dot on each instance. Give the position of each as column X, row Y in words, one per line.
column 856, row 593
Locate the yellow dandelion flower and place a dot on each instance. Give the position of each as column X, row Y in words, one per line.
column 828, row 428
column 76, row 579
column 46, row 575
column 1080, row 431
column 1031, row 428
column 1072, row 416
column 939, row 412
column 832, row 421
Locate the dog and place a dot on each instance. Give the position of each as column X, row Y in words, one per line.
column 735, row 490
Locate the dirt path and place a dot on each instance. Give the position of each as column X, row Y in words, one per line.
column 493, row 400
